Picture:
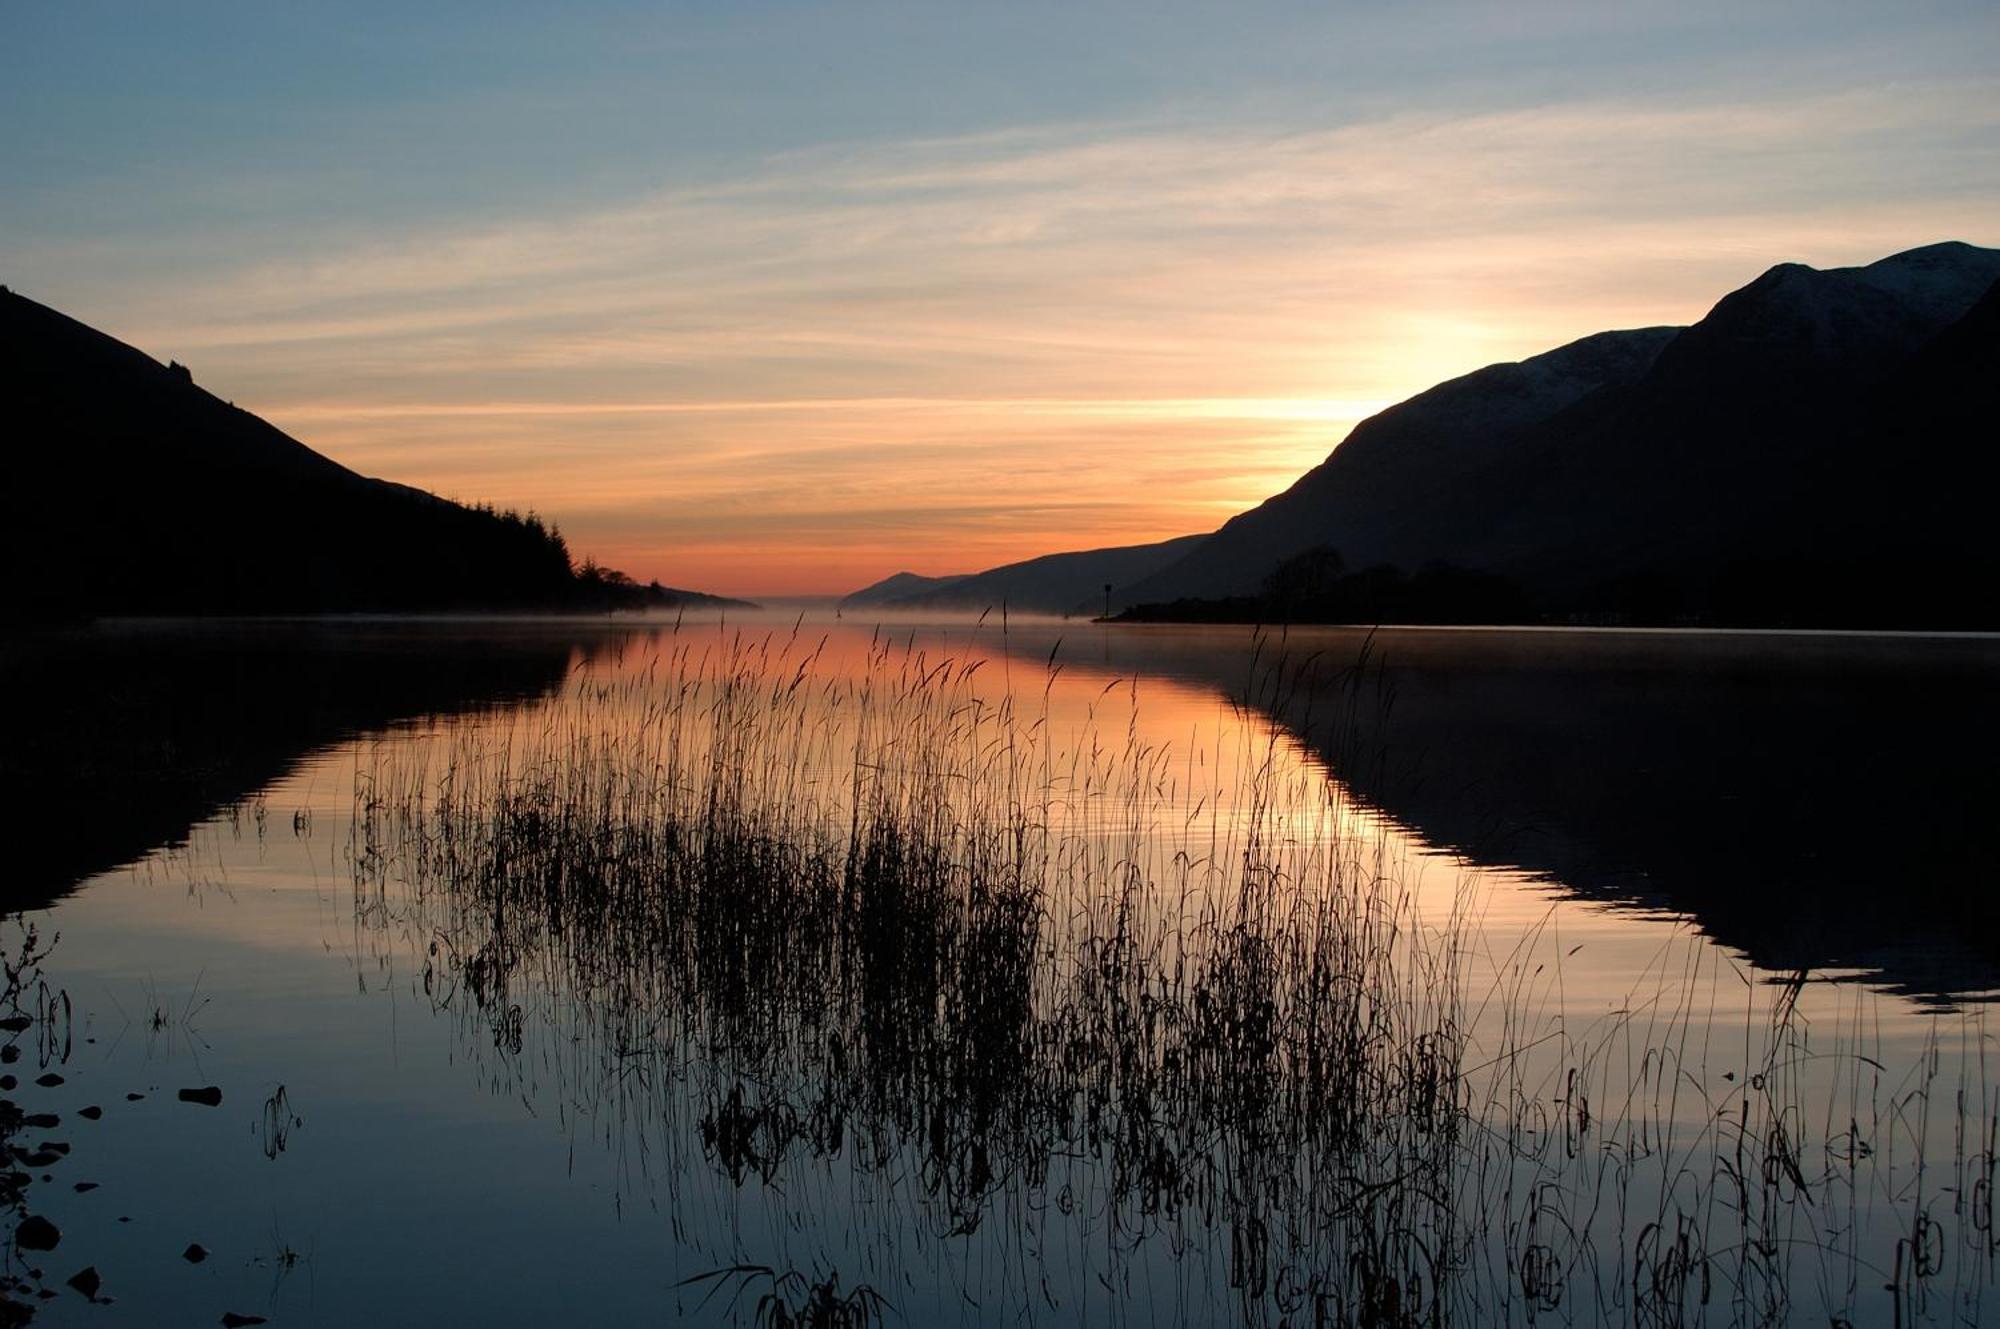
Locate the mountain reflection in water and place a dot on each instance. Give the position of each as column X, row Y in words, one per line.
column 1107, row 1006
column 1818, row 802
column 1815, row 801
column 123, row 736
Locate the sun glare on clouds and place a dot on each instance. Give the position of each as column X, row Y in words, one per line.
column 1102, row 333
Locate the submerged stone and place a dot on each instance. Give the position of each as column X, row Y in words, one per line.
column 37, row 1234
column 86, row 1281
column 210, row 1096
column 195, row 1253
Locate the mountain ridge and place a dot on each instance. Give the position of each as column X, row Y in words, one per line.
column 1480, row 410
column 1067, row 583
column 896, row 586
column 1732, row 452
column 151, row 495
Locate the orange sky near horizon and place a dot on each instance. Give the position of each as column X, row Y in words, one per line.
column 798, row 371
column 948, row 435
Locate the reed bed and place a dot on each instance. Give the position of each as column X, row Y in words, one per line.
column 897, row 925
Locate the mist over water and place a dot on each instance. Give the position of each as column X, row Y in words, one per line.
column 935, row 972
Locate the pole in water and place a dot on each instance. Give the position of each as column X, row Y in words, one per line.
column 1107, row 599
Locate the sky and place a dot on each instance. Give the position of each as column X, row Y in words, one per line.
column 766, row 298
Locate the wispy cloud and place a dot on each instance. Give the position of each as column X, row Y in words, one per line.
column 837, row 358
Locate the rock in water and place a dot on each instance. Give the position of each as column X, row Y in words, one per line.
column 37, row 1234
column 208, row 1097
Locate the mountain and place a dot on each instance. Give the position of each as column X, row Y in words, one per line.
column 894, row 587
column 1358, row 498
column 1813, row 451
column 1069, row 583
column 1744, row 478
column 136, row 492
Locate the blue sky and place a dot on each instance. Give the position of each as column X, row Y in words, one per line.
column 782, row 297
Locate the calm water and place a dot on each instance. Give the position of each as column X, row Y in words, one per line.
column 1702, row 925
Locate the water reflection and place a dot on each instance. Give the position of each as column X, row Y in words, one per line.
column 1070, row 999
column 121, row 737
column 1816, row 802
column 881, row 929
column 875, row 913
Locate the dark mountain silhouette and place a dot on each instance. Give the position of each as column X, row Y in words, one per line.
column 895, row 587
column 1070, row 583
column 1360, row 494
column 136, row 492
column 1066, row 583
column 1813, row 452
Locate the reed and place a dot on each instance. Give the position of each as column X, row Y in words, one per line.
column 767, row 916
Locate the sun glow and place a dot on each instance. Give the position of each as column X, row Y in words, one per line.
column 802, row 371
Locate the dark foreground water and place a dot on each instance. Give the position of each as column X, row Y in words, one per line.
column 621, row 973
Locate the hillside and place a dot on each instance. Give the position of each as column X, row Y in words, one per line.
column 1359, row 497
column 895, row 587
column 1067, row 583
column 137, row 492
column 1811, row 452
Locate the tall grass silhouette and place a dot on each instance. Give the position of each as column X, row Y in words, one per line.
column 765, row 913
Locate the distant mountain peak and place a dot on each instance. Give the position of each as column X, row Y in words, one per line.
column 895, row 586
column 1943, row 279
column 1944, row 251
column 1072, row 582
column 1813, row 447
column 1831, row 315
